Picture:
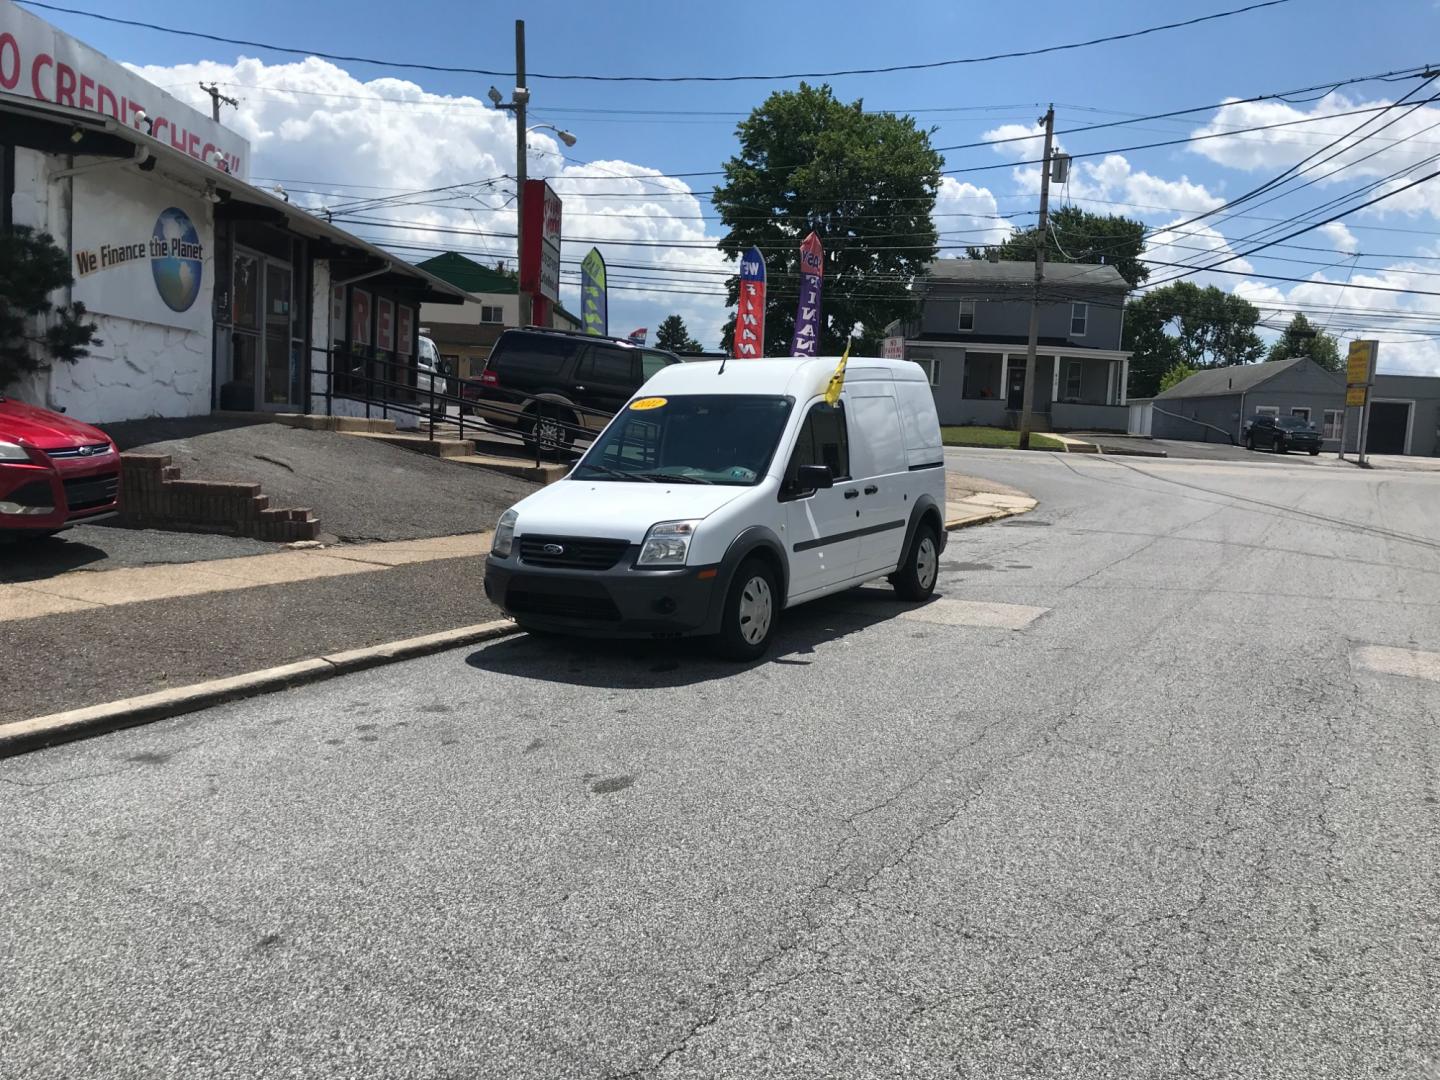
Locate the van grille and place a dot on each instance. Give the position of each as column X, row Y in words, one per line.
column 574, row 552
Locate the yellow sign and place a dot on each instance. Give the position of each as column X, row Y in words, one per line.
column 649, row 403
column 1355, row 395
column 1360, row 363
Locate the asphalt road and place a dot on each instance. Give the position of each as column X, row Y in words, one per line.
column 1173, row 823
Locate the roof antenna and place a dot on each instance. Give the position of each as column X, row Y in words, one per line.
column 722, row 364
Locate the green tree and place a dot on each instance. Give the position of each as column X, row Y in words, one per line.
column 1077, row 236
column 674, row 336
column 1177, row 374
column 34, row 331
column 864, row 182
column 1183, row 323
column 1303, row 339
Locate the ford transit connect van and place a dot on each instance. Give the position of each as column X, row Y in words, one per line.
column 723, row 493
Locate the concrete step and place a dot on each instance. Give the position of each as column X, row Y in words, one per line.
column 350, row 425
column 443, row 448
column 545, row 473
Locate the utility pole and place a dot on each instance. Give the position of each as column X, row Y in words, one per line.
column 520, row 98
column 216, row 98
column 1027, row 410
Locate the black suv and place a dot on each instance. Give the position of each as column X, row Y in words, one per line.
column 548, row 383
column 1283, row 433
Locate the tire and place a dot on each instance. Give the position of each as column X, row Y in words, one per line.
column 546, row 427
column 1279, row 446
column 915, row 579
column 1314, row 453
column 752, row 608
column 1250, row 444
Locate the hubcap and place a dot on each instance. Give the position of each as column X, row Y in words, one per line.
column 548, row 432
column 927, row 562
column 757, row 608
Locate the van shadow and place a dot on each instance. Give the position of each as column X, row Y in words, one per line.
column 648, row 663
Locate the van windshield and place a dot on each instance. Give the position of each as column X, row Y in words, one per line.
column 694, row 438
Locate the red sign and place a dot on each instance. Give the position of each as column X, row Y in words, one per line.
column 359, row 317
column 540, row 241
column 385, row 324
column 750, row 315
column 405, row 320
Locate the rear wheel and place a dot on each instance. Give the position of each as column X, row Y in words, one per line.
column 1250, row 444
column 751, row 609
column 547, row 426
column 915, row 580
column 1315, row 453
column 1279, row 446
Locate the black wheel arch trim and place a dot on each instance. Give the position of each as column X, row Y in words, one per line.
column 924, row 505
column 750, row 540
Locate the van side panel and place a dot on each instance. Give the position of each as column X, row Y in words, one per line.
column 877, row 447
column 919, row 421
column 882, row 476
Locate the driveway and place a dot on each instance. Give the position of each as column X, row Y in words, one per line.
column 1149, row 791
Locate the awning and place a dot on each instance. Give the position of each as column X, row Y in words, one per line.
column 60, row 129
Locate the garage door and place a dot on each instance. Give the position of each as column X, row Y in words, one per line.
column 1388, row 421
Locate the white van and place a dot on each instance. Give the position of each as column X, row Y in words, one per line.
column 722, row 493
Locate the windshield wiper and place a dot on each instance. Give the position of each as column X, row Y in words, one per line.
column 621, row 473
column 660, row 477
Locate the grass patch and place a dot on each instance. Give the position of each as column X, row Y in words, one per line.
column 997, row 437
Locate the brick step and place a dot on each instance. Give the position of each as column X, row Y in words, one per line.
column 153, row 496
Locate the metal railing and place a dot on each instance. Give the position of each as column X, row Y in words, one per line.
column 544, row 426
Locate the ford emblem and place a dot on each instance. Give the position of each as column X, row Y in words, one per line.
column 554, row 549
column 86, row 451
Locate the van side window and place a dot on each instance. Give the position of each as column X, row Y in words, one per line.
column 824, row 440
column 609, row 366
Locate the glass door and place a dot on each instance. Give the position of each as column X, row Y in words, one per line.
column 281, row 382
column 246, row 293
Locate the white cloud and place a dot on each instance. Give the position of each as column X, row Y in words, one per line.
column 1343, row 239
column 1019, row 141
column 969, row 214
column 1405, row 142
column 1191, row 245
column 324, row 133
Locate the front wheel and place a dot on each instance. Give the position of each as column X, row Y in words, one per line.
column 751, row 608
column 1250, row 444
column 915, row 579
column 1314, row 453
column 1279, row 446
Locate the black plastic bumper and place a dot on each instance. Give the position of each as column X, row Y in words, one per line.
column 619, row 601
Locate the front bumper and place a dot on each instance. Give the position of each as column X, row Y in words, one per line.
column 606, row 603
column 43, row 498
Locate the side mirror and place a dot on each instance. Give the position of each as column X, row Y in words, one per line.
column 814, row 477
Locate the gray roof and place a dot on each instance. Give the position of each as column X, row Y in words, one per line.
column 1235, row 379
column 983, row 272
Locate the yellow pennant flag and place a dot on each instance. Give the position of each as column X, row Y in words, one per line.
column 837, row 381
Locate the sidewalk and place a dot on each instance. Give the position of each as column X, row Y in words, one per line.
column 82, row 638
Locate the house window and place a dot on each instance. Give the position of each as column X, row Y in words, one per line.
column 1072, row 380
column 1334, row 422
column 492, row 313
column 967, row 316
column 931, row 364
column 1267, row 410
column 1302, row 412
column 1079, row 319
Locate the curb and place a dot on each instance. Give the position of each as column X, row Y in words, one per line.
column 977, row 519
column 41, row 731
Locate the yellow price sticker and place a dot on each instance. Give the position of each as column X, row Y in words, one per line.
column 641, row 404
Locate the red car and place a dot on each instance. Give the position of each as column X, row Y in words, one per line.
column 54, row 471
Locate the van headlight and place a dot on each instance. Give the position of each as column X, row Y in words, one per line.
column 667, row 544
column 504, row 535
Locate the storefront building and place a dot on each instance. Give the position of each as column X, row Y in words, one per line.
column 208, row 293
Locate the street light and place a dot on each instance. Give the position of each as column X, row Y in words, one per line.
column 564, row 136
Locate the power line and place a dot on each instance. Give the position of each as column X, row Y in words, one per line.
column 932, row 65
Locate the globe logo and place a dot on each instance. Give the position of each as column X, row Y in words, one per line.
column 179, row 269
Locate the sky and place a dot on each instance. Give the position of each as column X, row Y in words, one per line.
column 342, row 134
